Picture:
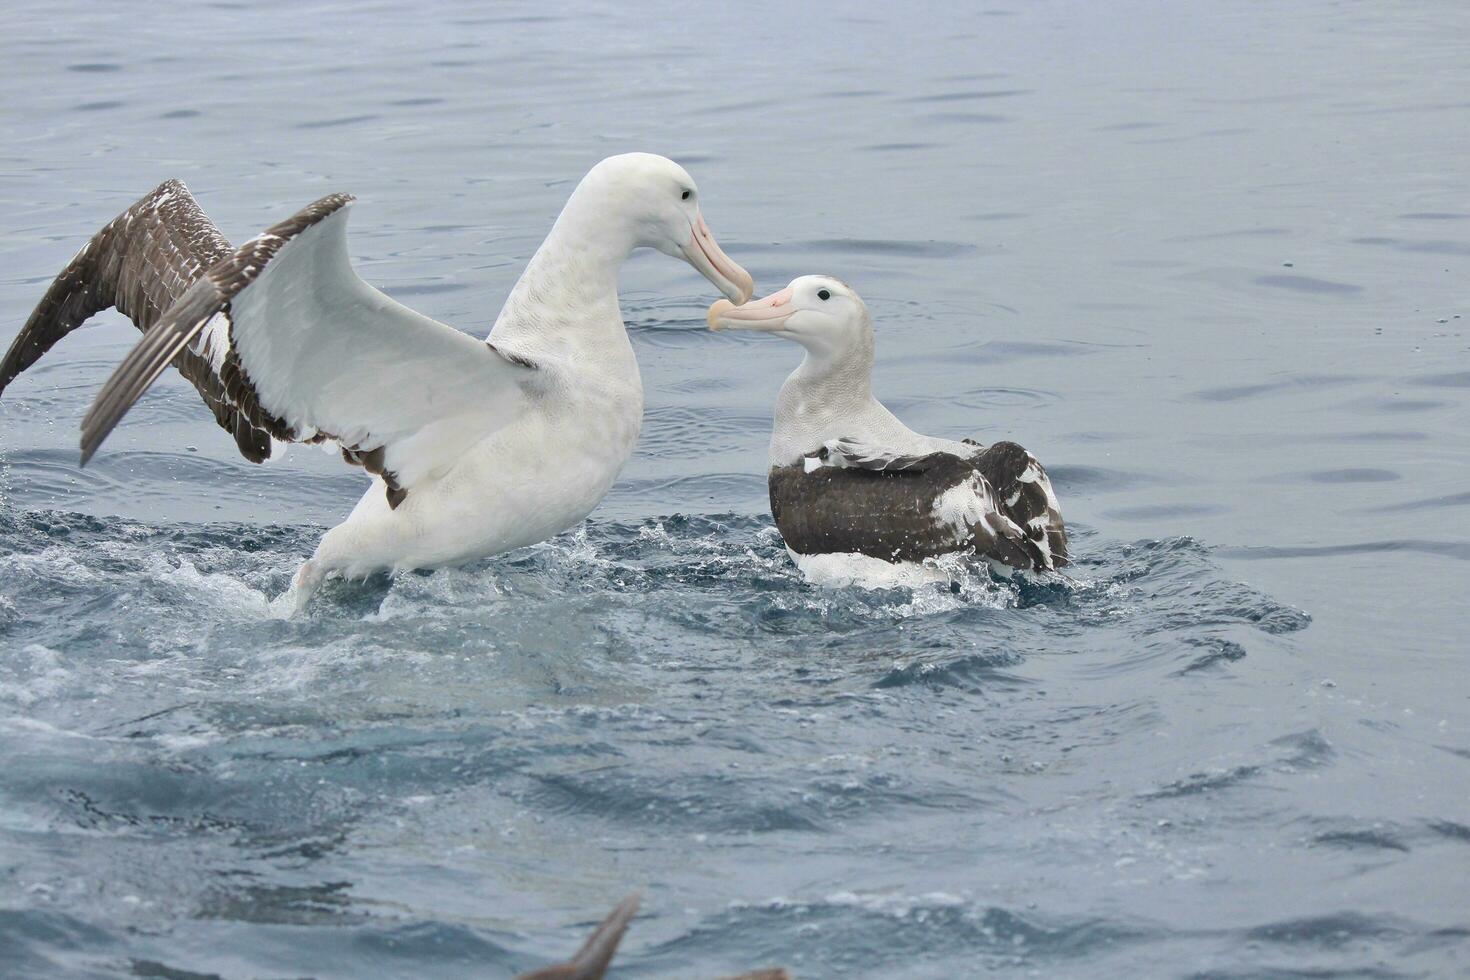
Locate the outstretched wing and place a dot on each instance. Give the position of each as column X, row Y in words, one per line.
column 291, row 327
column 1023, row 493
column 141, row 262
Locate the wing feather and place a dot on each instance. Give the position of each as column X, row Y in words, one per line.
column 1023, row 493
column 852, row 454
column 329, row 356
column 142, row 262
column 591, row 961
column 851, row 496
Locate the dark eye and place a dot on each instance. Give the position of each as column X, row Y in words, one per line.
column 685, row 196
column 824, row 294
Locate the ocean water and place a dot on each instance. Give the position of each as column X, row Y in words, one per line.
column 1210, row 262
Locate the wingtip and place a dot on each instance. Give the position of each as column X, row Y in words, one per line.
column 94, row 431
column 592, row 960
column 91, row 441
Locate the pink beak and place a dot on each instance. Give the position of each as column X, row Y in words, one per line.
column 768, row 313
column 705, row 254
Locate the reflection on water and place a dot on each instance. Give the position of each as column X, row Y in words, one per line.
column 1208, row 263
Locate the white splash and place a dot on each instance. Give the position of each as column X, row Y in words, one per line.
column 842, row 569
column 33, row 673
column 218, row 591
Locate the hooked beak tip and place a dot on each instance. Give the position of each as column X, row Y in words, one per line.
column 768, row 315
column 744, row 286
column 718, row 309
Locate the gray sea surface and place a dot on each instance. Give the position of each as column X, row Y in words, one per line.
column 1209, row 261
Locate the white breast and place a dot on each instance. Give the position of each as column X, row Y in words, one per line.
column 526, row 482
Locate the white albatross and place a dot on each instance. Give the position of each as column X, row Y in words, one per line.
column 476, row 447
column 848, row 478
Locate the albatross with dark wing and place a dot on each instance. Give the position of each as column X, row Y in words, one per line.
column 476, row 447
column 847, row 477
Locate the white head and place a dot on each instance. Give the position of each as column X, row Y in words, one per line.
column 822, row 314
column 830, row 395
column 642, row 200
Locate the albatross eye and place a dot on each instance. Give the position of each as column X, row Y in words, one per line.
column 824, row 294
column 685, row 196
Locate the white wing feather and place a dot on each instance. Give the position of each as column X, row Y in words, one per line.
column 851, row 454
column 328, row 355
column 326, row 352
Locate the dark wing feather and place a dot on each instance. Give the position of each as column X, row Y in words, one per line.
column 882, row 513
column 142, row 262
column 592, row 959
column 207, row 297
column 1023, row 493
column 309, row 326
column 997, row 502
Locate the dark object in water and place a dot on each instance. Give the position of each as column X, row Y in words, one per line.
column 596, row 953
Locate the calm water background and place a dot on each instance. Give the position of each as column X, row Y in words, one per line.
column 1210, row 261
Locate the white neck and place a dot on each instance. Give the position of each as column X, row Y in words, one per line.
column 824, row 398
column 566, row 302
column 830, row 396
